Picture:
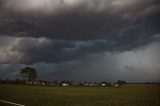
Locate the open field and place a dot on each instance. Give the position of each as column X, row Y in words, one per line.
column 81, row 96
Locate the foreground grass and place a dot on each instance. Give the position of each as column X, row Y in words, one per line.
column 81, row 96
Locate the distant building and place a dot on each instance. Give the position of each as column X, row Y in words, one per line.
column 85, row 84
column 64, row 84
column 43, row 83
column 103, row 84
column 116, row 85
column 35, row 83
column 52, row 84
column 92, row 85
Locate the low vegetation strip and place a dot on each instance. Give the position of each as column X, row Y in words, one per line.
column 11, row 103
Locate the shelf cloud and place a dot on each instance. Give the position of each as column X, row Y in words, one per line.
column 57, row 35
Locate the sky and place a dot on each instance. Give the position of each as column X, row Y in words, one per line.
column 81, row 40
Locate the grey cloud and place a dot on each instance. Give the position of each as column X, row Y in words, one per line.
column 6, row 55
column 107, row 66
column 67, row 33
column 87, row 19
column 10, row 71
column 25, row 49
column 129, row 68
column 57, row 51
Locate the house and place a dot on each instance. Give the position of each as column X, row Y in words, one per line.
column 92, row 84
column 43, row 83
column 64, row 84
column 35, row 83
column 52, row 84
column 116, row 85
column 103, row 84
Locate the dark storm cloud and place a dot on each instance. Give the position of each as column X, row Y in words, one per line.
column 57, row 51
column 72, row 37
column 139, row 65
column 76, row 28
column 24, row 50
column 10, row 71
column 106, row 66
column 80, row 20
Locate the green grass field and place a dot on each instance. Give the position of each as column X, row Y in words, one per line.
column 81, row 96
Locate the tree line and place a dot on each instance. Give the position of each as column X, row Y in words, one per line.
column 30, row 74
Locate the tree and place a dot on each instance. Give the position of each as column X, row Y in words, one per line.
column 120, row 82
column 103, row 82
column 29, row 73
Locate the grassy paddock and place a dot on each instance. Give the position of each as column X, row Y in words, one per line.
column 128, row 95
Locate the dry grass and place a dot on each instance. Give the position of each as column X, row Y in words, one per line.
column 128, row 95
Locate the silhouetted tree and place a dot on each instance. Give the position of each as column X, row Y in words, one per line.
column 120, row 82
column 55, row 82
column 29, row 73
column 103, row 82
